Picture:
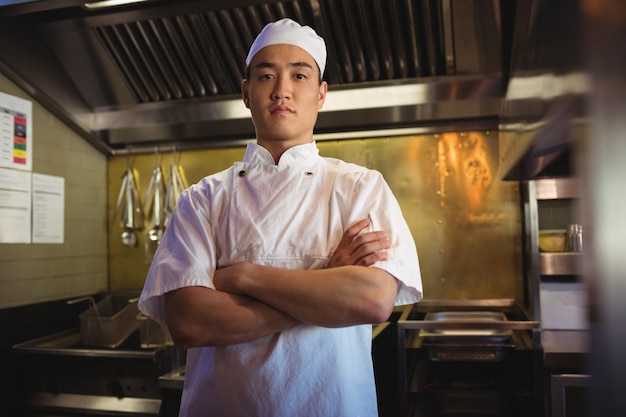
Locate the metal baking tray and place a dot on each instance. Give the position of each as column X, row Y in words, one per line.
column 464, row 332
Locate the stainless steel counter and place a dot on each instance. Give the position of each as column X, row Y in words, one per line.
column 59, row 375
column 565, row 349
column 173, row 380
column 69, row 343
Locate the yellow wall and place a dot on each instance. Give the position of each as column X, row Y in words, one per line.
column 466, row 223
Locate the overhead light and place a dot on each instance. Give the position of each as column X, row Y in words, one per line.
column 109, row 3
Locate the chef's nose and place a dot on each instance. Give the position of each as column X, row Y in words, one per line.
column 281, row 89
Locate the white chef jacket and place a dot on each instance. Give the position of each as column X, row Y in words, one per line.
column 289, row 215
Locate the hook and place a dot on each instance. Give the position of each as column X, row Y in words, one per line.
column 175, row 155
column 128, row 158
column 156, row 156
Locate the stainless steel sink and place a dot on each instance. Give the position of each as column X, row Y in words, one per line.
column 59, row 375
column 69, row 343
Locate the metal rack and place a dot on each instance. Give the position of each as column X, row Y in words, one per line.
column 540, row 264
column 562, row 335
column 489, row 376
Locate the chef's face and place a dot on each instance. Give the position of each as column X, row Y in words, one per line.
column 284, row 94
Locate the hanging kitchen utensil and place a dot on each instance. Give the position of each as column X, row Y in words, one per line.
column 176, row 185
column 153, row 204
column 129, row 238
column 132, row 218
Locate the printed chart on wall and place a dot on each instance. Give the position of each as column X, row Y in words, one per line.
column 15, row 206
column 16, row 133
column 48, row 208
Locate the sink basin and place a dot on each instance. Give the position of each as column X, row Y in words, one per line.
column 70, row 343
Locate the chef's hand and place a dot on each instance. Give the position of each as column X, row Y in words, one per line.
column 228, row 278
column 358, row 248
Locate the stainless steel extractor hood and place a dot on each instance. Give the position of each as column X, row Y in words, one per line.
column 169, row 72
column 544, row 114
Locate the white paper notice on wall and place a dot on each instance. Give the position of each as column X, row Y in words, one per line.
column 15, row 206
column 16, row 133
column 48, row 209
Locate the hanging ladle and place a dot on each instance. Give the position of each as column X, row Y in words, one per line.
column 176, row 185
column 154, row 195
column 132, row 217
column 129, row 237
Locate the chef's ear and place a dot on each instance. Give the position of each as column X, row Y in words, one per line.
column 244, row 93
column 322, row 94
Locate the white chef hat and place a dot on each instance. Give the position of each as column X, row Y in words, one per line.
column 287, row 31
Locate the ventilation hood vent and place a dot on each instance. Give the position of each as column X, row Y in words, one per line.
column 169, row 72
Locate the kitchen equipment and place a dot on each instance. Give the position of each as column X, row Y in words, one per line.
column 129, row 238
column 133, row 214
column 60, row 376
column 175, row 186
column 467, row 357
column 462, row 344
column 152, row 334
column 553, row 240
column 465, row 335
column 575, row 238
column 109, row 322
column 154, row 202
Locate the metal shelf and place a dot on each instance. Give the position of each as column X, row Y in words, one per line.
column 561, row 263
column 557, row 188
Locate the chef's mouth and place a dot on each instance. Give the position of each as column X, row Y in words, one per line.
column 282, row 109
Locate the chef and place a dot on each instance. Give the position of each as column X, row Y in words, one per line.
column 272, row 271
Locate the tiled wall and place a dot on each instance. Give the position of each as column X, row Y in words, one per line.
column 32, row 273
